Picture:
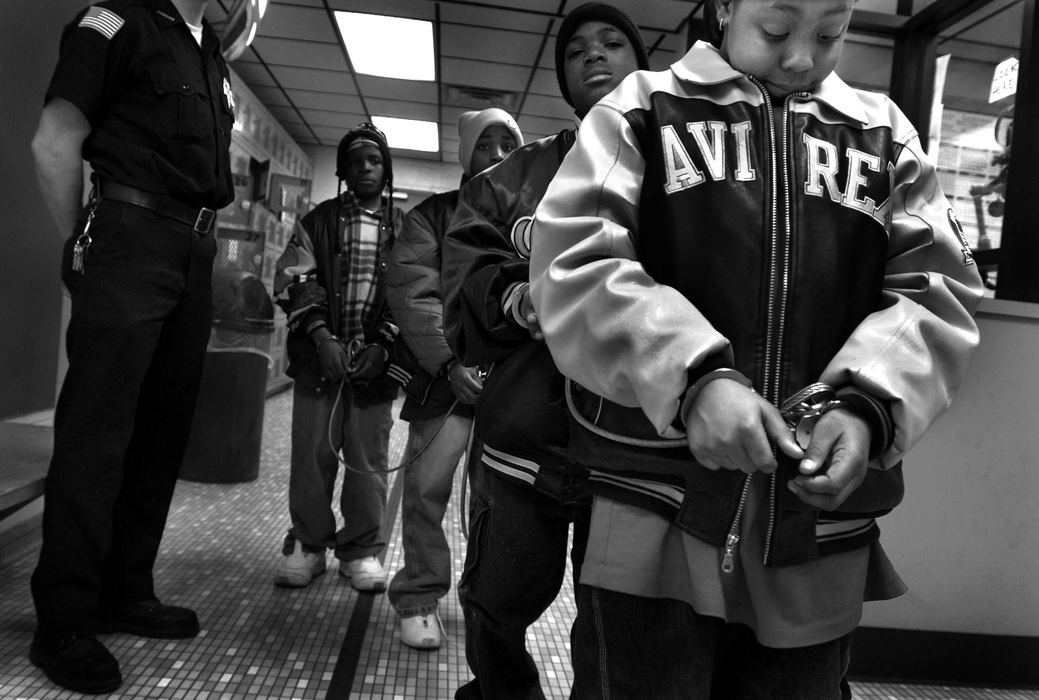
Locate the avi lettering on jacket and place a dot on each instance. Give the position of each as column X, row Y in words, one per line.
column 843, row 173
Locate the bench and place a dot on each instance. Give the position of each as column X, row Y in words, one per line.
column 25, row 452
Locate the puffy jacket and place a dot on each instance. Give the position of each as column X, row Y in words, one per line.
column 521, row 417
column 308, row 285
column 413, row 291
column 696, row 225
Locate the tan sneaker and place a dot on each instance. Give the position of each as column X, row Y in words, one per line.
column 299, row 567
column 421, row 631
column 365, row 574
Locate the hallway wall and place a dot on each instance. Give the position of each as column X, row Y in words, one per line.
column 30, row 288
column 966, row 539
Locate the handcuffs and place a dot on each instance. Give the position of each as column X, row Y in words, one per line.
column 804, row 409
column 353, row 350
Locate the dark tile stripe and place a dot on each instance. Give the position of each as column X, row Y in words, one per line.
column 350, row 653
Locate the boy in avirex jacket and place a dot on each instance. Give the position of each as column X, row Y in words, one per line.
column 525, row 492
column 743, row 254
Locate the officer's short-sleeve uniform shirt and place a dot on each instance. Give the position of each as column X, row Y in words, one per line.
column 159, row 106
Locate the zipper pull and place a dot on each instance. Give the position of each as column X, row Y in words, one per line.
column 728, row 560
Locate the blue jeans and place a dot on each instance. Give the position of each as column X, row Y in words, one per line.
column 434, row 448
column 626, row 646
column 514, row 567
column 364, row 434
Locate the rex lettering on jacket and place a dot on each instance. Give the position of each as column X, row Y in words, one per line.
column 825, row 166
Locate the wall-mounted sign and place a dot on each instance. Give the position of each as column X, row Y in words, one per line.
column 1004, row 80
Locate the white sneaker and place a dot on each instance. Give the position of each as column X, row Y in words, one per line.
column 365, row 574
column 421, row 631
column 299, row 567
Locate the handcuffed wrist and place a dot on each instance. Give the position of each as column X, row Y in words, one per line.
column 696, row 387
column 511, row 302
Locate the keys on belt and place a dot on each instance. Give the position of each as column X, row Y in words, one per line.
column 199, row 219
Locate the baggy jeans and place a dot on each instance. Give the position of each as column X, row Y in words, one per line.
column 514, row 568
column 364, row 434
column 433, row 451
column 627, row 647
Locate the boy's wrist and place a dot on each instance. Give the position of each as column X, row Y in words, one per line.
column 694, row 389
column 876, row 414
column 512, row 302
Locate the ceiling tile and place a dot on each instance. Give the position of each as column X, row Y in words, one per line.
column 327, row 101
column 305, row 24
column 388, row 88
column 315, row 79
column 306, row 54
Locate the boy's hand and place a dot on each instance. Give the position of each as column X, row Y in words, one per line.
column 729, row 427
column 526, row 308
column 465, row 383
column 368, row 363
column 841, row 440
column 333, row 360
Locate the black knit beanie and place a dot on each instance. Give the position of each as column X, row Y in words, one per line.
column 365, row 130
column 602, row 12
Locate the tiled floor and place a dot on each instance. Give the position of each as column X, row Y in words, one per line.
column 221, row 546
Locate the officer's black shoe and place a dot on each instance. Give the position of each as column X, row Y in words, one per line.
column 150, row 618
column 75, row 661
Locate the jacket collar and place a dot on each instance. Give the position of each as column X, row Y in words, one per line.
column 704, row 64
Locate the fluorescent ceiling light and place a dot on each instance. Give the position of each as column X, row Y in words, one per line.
column 411, row 134
column 391, row 47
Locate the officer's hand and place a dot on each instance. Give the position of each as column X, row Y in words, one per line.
column 369, row 363
column 333, row 360
column 841, row 439
column 729, row 427
column 531, row 316
column 465, row 383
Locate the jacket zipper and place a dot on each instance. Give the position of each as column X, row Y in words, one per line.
column 733, row 538
column 779, row 281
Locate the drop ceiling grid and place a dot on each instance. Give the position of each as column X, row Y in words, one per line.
column 297, row 65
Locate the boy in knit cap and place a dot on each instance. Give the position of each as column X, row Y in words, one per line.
column 525, row 491
column 439, row 398
column 330, row 282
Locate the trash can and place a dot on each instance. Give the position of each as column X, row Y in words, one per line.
column 224, row 446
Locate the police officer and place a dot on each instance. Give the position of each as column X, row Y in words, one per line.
column 142, row 93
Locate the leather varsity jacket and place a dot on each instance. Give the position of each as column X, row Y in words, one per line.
column 699, row 224
column 413, row 290
column 521, row 418
column 308, row 286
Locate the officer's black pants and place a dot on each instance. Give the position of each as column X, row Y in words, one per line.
column 136, row 343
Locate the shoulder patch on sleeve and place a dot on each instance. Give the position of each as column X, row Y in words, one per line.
column 104, row 21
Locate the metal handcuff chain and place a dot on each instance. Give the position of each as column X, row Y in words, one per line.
column 353, row 349
column 801, row 412
column 464, row 508
column 411, row 460
column 610, row 435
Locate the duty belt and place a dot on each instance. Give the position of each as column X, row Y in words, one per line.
column 199, row 219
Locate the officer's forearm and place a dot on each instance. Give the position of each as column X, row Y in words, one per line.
column 57, row 150
column 62, row 187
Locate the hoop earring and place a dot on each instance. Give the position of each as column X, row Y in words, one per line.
column 721, row 24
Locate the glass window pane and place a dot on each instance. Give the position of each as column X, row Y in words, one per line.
column 977, row 112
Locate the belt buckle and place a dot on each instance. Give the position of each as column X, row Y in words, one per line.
column 204, row 220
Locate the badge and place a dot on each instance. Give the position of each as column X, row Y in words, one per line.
column 228, row 95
